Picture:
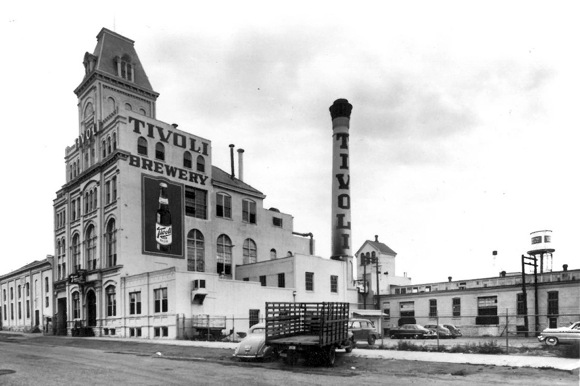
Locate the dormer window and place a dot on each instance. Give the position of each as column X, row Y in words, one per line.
column 125, row 68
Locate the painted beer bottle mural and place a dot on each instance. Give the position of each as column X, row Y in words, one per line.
column 163, row 228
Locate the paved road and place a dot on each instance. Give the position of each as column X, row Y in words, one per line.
column 35, row 360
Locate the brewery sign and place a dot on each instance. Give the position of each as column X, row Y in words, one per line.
column 80, row 277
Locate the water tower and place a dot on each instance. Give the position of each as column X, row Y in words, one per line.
column 542, row 249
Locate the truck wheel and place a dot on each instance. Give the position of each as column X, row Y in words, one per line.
column 551, row 341
column 350, row 346
column 330, row 357
column 371, row 340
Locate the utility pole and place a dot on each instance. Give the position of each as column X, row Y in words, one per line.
column 365, row 261
column 536, row 304
column 377, row 272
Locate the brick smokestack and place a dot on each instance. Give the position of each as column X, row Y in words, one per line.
column 341, row 226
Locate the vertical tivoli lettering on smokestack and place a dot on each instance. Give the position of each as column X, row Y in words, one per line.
column 341, row 224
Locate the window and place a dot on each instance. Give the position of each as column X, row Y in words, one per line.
column 87, row 203
column 407, row 309
column 433, row 308
column 28, row 309
column 250, row 252
column 386, row 310
column 76, row 252
column 223, row 205
column 254, row 317
column 104, row 148
column 224, row 255
column 553, row 303
column 281, row 280
column 187, row 161
column 200, row 164
column 521, row 304
column 109, row 149
column 195, row 202
column 160, row 296
column 334, row 284
column 114, row 188
column 142, row 146
column 111, row 236
column 249, row 211
column 456, row 306
column 135, row 303
column 277, row 221
column 309, row 280
column 263, row 280
column 114, row 141
column 160, row 151
column 487, row 310
column 19, row 292
column 76, row 306
column 91, row 247
column 111, row 301
column 125, row 68
column 19, row 310
column 272, row 254
column 195, row 251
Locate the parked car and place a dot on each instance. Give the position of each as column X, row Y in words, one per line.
column 412, row 331
column 553, row 336
column 363, row 329
column 440, row 330
column 253, row 346
column 455, row 332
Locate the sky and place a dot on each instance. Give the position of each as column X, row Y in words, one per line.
column 463, row 135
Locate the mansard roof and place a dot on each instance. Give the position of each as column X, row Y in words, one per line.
column 223, row 179
column 110, row 48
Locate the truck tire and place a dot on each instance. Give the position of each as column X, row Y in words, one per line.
column 330, row 356
column 350, row 346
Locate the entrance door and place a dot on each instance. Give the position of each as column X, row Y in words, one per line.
column 91, row 309
column 61, row 317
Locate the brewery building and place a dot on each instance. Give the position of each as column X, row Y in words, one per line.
column 26, row 297
column 151, row 239
column 519, row 302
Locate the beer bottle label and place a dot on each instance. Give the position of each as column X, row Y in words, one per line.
column 163, row 234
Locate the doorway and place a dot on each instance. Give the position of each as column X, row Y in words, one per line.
column 61, row 317
column 91, row 309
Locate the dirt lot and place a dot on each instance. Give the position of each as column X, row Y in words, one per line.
column 359, row 370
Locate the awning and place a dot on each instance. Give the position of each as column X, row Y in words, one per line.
column 376, row 313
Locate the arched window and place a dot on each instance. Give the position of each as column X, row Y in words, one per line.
column 91, row 200
column 200, row 164
column 111, row 301
column 59, row 261
column 111, row 236
column 94, row 198
column 224, row 255
column 91, row 248
column 110, row 105
column 195, row 251
column 76, row 253
column 114, row 188
column 143, row 112
column 142, row 146
column 88, row 110
column 63, row 259
column 109, row 150
column 273, row 255
column 289, row 254
column 223, row 205
column 128, row 107
column 114, row 141
column 187, row 160
column 46, row 286
column 104, row 148
column 160, row 151
column 250, row 252
column 87, row 202
column 76, row 305
column 249, row 211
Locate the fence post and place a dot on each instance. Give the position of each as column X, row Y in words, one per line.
column 507, row 334
column 437, row 330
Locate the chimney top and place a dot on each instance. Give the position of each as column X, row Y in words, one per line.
column 449, row 278
column 376, row 238
column 340, row 108
column 565, row 267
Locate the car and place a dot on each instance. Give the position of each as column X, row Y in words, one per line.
column 455, row 332
column 411, row 331
column 440, row 330
column 363, row 329
column 253, row 346
column 554, row 336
